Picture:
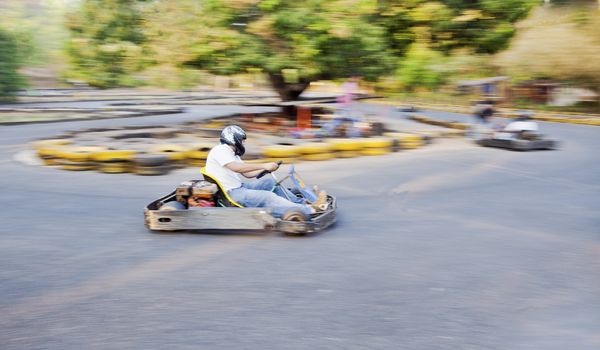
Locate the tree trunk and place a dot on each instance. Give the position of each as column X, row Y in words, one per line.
column 288, row 91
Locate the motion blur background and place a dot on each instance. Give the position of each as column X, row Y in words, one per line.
column 440, row 243
column 416, row 50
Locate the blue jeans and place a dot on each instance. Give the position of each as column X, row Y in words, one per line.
column 258, row 194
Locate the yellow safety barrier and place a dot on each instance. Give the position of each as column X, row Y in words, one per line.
column 345, row 144
column 318, row 156
column 315, row 148
column 173, row 151
column 377, row 142
column 348, row 154
column 269, row 160
column 280, row 151
column 375, row 151
column 113, row 155
column 78, row 154
column 78, row 166
column 114, row 167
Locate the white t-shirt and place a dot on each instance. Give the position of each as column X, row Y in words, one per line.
column 218, row 157
column 521, row 125
column 510, row 130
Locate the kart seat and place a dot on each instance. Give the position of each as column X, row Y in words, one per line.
column 222, row 198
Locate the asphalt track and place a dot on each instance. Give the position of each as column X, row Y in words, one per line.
column 451, row 246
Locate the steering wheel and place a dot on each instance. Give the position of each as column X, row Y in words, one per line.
column 265, row 172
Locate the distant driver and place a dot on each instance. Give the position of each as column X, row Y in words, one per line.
column 522, row 124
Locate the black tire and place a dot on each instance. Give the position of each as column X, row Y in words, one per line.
column 152, row 171
column 150, row 160
column 396, row 145
column 294, row 215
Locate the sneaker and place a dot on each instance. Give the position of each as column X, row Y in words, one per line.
column 321, row 203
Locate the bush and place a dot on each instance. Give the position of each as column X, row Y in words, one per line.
column 10, row 80
column 421, row 68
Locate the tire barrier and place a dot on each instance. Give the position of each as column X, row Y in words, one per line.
column 149, row 160
column 197, row 153
column 558, row 117
column 152, row 171
column 177, row 154
column 273, row 160
column 196, row 158
column 594, row 121
column 376, row 146
column 114, row 161
column 157, row 150
column 316, row 151
column 342, row 145
column 77, row 166
column 374, row 151
column 346, row 148
column 77, row 158
column 81, row 154
column 442, row 123
column 151, row 164
column 113, row 156
column 116, row 167
column 47, row 150
column 281, row 151
column 348, row 154
column 408, row 141
column 318, row 156
column 377, row 142
column 460, row 127
column 314, row 148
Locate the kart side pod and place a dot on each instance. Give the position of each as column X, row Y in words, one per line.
column 519, row 145
column 173, row 218
column 206, row 218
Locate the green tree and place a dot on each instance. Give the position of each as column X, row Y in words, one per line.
column 561, row 43
column 293, row 42
column 10, row 61
column 484, row 26
column 422, row 67
column 105, row 45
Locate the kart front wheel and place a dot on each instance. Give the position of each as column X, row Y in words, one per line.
column 294, row 215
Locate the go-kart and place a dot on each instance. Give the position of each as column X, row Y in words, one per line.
column 518, row 141
column 172, row 213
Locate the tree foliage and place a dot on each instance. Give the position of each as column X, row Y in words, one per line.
column 421, row 67
column 294, row 42
column 313, row 39
column 38, row 27
column 105, row 46
column 560, row 43
column 484, row 26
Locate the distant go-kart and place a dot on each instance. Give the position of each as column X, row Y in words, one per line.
column 203, row 205
column 518, row 141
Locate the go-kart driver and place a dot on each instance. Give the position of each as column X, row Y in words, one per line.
column 521, row 124
column 225, row 165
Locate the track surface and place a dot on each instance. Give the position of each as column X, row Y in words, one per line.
column 451, row 246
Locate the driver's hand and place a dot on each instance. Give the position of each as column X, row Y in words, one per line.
column 271, row 166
